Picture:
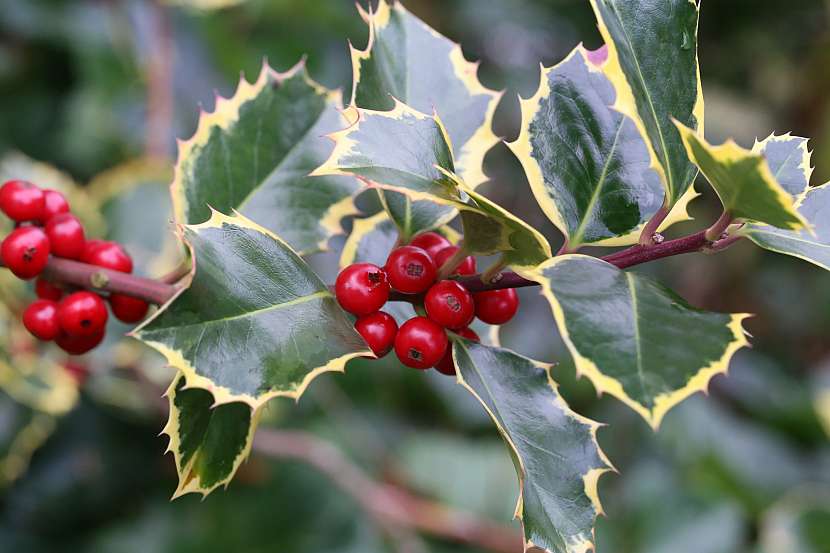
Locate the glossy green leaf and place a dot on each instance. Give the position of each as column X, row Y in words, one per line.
column 634, row 338
column 743, row 181
column 424, row 170
column 256, row 322
column 554, row 450
column 652, row 64
column 414, row 216
column 811, row 245
column 208, row 441
column 587, row 164
column 254, row 152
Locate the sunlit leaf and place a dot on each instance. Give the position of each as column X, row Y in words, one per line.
column 789, row 161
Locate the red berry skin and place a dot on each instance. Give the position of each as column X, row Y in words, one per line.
column 82, row 314
column 420, row 343
column 446, row 365
column 379, row 330
column 467, row 267
column 66, row 236
column 41, row 320
column 54, row 203
column 128, row 309
column 21, row 201
column 496, row 307
column 108, row 255
column 45, row 290
column 25, row 252
column 450, row 305
column 362, row 288
column 79, row 345
column 431, row 242
column 410, row 269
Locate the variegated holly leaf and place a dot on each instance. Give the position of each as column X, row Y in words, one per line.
column 743, row 181
column 208, row 441
column 256, row 322
column 554, row 450
column 413, row 216
column 652, row 64
column 634, row 338
column 424, row 170
column 812, row 245
column 588, row 165
column 254, row 152
column 789, row 161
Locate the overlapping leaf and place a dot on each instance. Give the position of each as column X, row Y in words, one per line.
column 788, row 158
column 424, row 170
column 253, row 154
column 554, row 450
column 634, row 338
column 652, row 63
column 743, row 181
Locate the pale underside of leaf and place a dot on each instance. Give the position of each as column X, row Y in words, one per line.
column 788, row 158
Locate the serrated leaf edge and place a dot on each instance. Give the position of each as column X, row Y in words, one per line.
column 806, row 157
column 663, row 403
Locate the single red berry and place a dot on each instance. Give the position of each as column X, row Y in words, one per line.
column 128, row 309
column 66, row 236
column 21, row 201
column 362, row 288
column 45, row 290
column 54, row 203
column 78, row 345
column 446, row 365
column 431, row 242
column 450, row 305
column 420, row 343
column 25, row 252
column 379, row 330
column 467, row 267
column 410, row 269
column 82, row 314
column 496, row 307
column 109, row 255
column 41, row 320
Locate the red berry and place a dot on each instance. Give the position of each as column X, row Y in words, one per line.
column 41, row 320
column 54, row 203
column 127, row 308
column 450, row 305
column 420, row 343
column 82, row 314
column 66, row 236
column 25, row 252
column 108, row 255
column 78, row 345
column 410, row 269
column 21, row 201
column 362, row 288
column 496, row 307
column 379, row 330
column 45, row 290
column 446, row 365
column 431, row 242
column 467, row 267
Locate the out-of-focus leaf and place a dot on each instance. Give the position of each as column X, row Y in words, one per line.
column 798, row 524
column 788, row 159
column 204, row 4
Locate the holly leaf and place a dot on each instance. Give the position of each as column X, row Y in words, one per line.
column 269, row 326
column 743, row 181
column 588, row 165
column 634, row 338
column 788, row 159
column 254, row 152
column 554, row 450
column 811, row 245
column 414, row 216
column 424, row 170
column 209, row 442
column 653, row 66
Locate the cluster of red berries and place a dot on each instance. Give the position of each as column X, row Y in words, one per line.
column 421, row 342
column 75, row 320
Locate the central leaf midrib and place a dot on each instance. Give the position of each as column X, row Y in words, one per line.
column 632, row 289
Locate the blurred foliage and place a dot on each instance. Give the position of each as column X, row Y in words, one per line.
column 744, row 470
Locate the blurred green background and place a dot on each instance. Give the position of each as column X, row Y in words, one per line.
column 745, row 469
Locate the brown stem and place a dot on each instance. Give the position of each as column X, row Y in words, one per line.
column 647, row 236
column 714, row 232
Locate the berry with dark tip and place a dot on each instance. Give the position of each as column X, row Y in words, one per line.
column 362, row 288
column 25, row 252
column 82, row 314
column 420, row 343
column 450, row 305
column 410, row 269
